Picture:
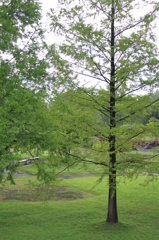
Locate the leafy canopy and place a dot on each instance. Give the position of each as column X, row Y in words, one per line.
column 105, row 44
column 22, row 75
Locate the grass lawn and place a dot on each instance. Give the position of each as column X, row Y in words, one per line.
column 79, row 169
column 84, row 217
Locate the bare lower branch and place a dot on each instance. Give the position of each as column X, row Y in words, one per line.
column 87, row 161
column 87, row 75
column 129, row 92
column 68, row 166
column 135, row 24
column 105, row 78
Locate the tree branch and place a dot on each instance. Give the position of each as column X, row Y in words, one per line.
column 87, row 75
column 87, row 161
column 133, row 113
column 105, row 78
column 135, row 24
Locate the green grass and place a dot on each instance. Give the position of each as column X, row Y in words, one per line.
column 142, row 153
column 30, row 169
column 83, row 218
column 78, row 169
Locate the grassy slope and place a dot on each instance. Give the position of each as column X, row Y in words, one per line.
column 84, row 218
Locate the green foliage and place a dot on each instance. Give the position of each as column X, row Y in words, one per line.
column 92, row 46
column 22, row 75
column 75, row 122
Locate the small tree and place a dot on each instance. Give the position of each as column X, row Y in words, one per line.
column 107, row 43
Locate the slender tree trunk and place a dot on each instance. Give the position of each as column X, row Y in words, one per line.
column 112, row 203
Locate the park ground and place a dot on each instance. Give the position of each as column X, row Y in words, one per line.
column 76, row 208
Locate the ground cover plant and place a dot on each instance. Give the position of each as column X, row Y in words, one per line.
column 81, row 217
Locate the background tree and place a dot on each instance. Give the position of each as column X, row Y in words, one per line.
column 22, row 73
column 107, row 43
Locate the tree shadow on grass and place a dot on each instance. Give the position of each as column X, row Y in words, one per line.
column 111, row 227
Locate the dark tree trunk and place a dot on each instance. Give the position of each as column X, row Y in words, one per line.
column 112, row 203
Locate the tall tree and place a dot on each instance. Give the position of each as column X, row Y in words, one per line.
column 22, row 66
column 110, row 43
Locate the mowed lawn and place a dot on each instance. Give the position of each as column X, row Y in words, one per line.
column 84, row 217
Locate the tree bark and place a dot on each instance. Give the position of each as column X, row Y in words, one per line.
column 112, row 203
